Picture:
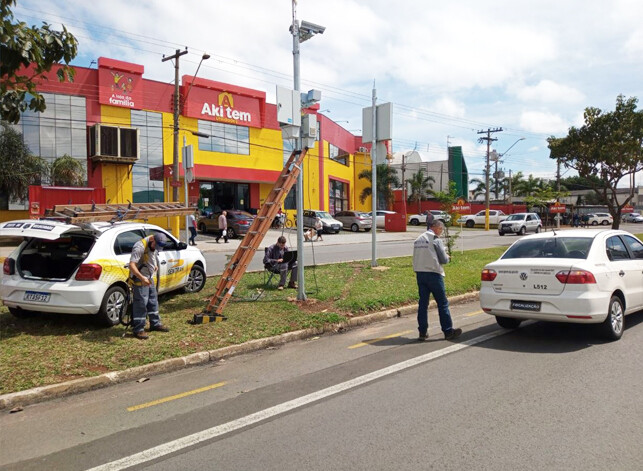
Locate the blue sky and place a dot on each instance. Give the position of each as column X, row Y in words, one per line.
column 449, row 68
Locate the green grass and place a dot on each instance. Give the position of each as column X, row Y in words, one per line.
column 47, row 349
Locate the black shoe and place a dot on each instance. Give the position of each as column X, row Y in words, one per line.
column 159, row 328
column 141, row 335
column 423, row 336
column 453, row 334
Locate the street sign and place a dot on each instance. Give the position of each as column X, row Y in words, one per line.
column 627, row 209
column 557, row 208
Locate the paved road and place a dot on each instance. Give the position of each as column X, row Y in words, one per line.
column 547, row 396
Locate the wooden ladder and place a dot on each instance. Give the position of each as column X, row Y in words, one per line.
column 238, row 263
column 82, row 213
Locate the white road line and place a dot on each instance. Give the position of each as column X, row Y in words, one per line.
column 196, row 438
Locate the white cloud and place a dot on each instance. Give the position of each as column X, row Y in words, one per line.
column 548, row 91
column 543, row 122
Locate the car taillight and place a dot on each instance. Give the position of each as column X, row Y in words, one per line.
column 9, row 266
column 243, row 222
column 89, row 272
column 488, row 274
column 575, row 277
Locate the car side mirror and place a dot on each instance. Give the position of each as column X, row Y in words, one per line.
column 182, row 246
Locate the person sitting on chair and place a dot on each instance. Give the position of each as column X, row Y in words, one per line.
column 274, row 258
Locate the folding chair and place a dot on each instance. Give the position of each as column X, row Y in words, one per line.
column 270, row 270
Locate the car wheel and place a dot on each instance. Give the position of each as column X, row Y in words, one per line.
column 605, row 222
column 470, row 224
column 508, row 322
column 414, row 222
column 231, row 233
column 538, row 230
column 114, row 302
column 355, row 228
column 613, row 325
column 523, row 230
column 196, row 280
column 202, row 228
column 594, row 223
column 21, row 313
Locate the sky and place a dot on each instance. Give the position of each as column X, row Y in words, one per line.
column 450, row 68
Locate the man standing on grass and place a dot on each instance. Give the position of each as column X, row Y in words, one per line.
column 143, row 266
column 428, row 257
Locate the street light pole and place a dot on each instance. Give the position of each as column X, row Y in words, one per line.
column 489, row 139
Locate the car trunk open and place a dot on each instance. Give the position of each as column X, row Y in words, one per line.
column 54, row 260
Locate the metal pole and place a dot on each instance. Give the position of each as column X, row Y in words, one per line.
column 374, row 181
column 185, row 180
column 301, row 293
column 486, row 183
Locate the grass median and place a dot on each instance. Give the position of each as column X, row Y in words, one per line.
column 47, row 349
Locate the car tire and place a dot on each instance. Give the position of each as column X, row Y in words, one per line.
column 605, row 222
column 470, row 223
column 522, row 231
column 414, row 222
column 196, row 279
column 613, row 325
column 594, row 223
column 21, row 313
column 114, row 301
column 202, row 228
column 231, row 233
column 508, row 322
column 538, row 230
column 355, row 228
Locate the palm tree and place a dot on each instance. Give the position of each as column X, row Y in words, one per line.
column 67, row 171
column 386, row 180
column 529, row 187
column 480, row 189
column 420, row 186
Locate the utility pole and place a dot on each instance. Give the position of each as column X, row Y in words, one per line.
column 558, row 190
column 175, row 159
column 374, row 181
column 404, row 182
column 510, row 196
column 489, row 139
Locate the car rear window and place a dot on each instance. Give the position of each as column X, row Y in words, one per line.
column 551, row 247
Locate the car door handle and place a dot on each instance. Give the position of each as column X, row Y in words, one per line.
column 621, row 273
column 163, row 262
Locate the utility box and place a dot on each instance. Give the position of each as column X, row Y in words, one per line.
column 395, row 222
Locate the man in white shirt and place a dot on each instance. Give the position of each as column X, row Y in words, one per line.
column 428, row 257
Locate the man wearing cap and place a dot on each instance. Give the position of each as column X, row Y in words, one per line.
column 428, row 257
column 143, row 265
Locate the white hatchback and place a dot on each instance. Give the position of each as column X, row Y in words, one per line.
column 577, row 276
column 83, row 269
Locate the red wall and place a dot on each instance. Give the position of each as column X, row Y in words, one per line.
column 48, row 196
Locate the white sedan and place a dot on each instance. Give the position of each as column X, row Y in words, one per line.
column 576, row 276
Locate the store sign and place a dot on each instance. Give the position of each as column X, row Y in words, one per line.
column 120, row 83
column 461, row 207
column 225, row 110
column 557, row 208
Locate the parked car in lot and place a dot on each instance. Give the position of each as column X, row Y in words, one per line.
column 520, row 223
column 600, row 218
column 238, row 222
column 83, row 269
column 577, row 276
column 470, row 220
column 354, row 220
column 330, row 224
column 380, row 217
column 632, row 217
column 417, row 219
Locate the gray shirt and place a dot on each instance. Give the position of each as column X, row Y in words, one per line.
column 146, row 259
column 425, row 253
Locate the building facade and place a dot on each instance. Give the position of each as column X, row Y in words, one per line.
column 120, row 126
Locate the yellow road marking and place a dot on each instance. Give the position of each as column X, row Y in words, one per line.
column 177, row 396
column 475, row 313
column 361, row 344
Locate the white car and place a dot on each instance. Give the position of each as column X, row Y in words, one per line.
column 578, row 276
column 632, row 217
column 417, row 219
column 470, row 220
column 600, row 218
column 83, row 269
column 380, row 216
column 520, row 224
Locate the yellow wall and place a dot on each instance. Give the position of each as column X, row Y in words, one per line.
column 116, row 178
column 362, row 162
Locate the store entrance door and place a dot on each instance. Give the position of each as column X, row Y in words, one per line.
column 217, row 196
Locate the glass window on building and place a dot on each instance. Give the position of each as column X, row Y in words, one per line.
column 147, row 172
column 225, row 138
column 337, row 154
column 337, row 196
column 290, row 202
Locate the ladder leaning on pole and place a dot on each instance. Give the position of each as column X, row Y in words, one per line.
column 237, row 265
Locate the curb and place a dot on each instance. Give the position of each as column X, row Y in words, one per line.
column 75, row 386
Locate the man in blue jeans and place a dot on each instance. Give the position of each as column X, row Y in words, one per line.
column 428, row 257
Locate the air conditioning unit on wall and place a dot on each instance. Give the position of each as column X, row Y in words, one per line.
column 115, row 144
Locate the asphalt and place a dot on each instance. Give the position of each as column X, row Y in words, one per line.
column 207, row 244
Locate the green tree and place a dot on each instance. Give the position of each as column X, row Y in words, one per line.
column 18, row 167
column 608, row 146
column 386, row 180
column 67, row 171
column 27, row 53
column 421, row 185
column 481, row 188
column 527, row 187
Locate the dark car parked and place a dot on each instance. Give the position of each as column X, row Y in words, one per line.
column 238, row 222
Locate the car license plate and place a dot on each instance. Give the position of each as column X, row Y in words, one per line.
column 525, row 306
column 37, row 296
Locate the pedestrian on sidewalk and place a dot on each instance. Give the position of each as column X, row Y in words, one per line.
column 319, row 227
column 428, row 257
column 223, row 227
column 192, row 227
